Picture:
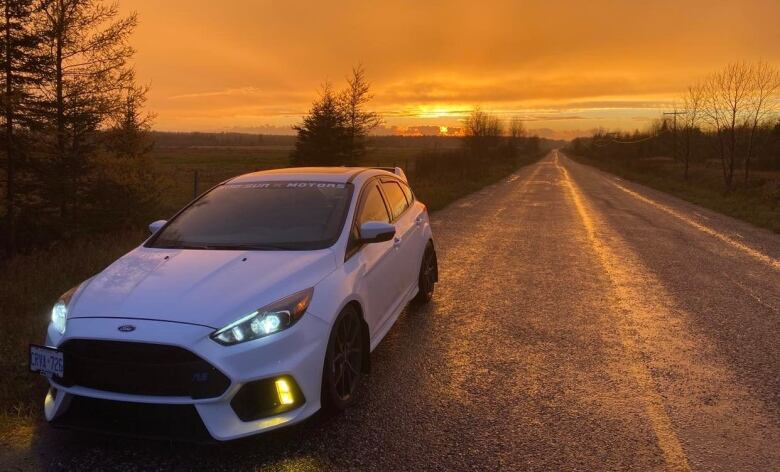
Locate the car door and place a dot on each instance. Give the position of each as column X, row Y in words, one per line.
column 405, row 241
column 375, row 262
column 419, row 218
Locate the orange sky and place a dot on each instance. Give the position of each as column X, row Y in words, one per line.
column 564, row 66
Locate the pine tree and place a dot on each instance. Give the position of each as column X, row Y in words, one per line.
column 21, row 64
column 129, row 134
column 322, row 134
column 88, row 50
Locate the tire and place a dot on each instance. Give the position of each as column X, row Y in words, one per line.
column 429, row 275
column 343, row 370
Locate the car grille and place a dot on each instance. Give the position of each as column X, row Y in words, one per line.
column 139, row 369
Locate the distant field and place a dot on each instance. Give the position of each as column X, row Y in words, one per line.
column 214, row 164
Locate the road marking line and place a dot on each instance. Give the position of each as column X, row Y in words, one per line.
column 660, row 422
column 768, row 260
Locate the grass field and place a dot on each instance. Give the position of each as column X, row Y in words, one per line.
column 29, row 284
column 757, row 203
column 215, row 164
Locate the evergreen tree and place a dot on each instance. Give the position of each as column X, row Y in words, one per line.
column 21, row 64
column 88, row 49
column 322, row 135
column 129, row 135
column 335, row 130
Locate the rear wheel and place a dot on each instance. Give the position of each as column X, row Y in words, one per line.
column 429, row 275
column 343, row 370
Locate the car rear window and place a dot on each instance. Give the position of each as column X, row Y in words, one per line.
column 408, row 193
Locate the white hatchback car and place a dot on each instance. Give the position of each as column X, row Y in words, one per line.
column 253, row 307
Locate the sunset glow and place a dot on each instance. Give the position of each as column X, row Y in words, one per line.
column 563, row 67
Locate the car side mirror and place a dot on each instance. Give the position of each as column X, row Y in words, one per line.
column 155, row 226
column 376, row 232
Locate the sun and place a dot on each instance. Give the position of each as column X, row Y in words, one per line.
column 439, row 111
column 443, row 130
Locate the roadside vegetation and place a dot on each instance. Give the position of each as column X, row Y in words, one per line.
column 719, row 149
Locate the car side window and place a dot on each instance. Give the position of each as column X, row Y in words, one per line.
column 373, row 208
column 395, row 197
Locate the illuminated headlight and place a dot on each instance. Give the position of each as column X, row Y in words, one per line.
column 59, row 312
column 270, row 319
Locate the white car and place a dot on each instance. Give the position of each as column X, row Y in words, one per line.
column 253, row 307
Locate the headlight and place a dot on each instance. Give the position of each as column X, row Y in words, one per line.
column 59, row 312
column 270, row 319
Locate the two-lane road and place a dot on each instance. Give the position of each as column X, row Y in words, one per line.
column 581, row 322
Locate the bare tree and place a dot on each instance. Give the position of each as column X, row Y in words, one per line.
column 727, row 98
column 693, row 104
column 738, row 101
column 482, row 131
column 516, row 133
column 358, row 121
column 516, row 128
column 763, row 104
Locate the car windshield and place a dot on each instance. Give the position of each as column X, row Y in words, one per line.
column 261, row 216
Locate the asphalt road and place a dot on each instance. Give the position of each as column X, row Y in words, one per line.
column 581, row 322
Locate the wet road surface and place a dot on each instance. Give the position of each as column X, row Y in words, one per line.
column 581, row 322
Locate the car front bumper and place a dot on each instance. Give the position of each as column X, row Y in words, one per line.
column 297, row 352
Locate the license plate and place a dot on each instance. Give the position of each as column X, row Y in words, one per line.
column 46, row 361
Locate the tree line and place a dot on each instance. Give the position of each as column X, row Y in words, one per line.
column 336, row 130
column 74, row 132
column 730, row 116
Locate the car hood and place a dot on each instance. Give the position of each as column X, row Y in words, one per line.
column 207, row 287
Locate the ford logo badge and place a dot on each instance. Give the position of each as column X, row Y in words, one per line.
column 126, row 328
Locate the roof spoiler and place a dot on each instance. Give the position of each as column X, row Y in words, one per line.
column 395, row 170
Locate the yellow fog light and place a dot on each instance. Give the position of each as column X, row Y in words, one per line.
column 284, row 392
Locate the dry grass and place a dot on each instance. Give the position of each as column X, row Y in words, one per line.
column 758, row 202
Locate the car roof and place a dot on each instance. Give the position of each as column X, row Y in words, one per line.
column 314, row 174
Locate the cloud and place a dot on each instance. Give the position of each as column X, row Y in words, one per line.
column 216, row 66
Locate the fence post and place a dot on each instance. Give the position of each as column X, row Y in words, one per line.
column 195, row 184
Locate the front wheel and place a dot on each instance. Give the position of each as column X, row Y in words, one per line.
column 343, row 369
column 429, row 275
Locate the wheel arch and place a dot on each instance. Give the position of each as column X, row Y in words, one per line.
column 431, row 244
column 366, row 338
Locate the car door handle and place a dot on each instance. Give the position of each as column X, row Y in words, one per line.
column 419, row 220
column 396, row 242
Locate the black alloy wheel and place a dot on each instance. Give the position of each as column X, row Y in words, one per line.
column 428, row 276
column 344, row 360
